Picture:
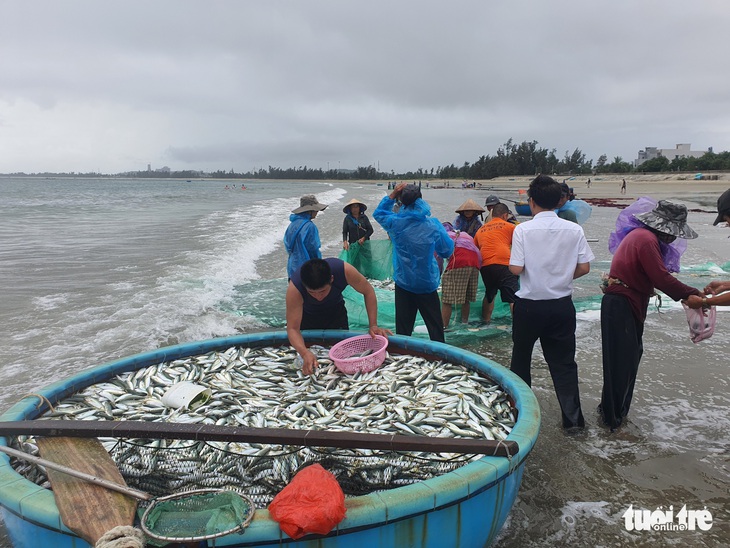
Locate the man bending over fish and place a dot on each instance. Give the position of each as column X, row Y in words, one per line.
column 314, row 301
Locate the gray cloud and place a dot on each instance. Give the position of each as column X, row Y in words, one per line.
column 237, row 85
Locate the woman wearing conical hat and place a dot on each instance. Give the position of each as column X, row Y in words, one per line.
column 469, row 217
column 356, row 227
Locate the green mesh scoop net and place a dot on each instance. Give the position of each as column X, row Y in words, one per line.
column 197, row 515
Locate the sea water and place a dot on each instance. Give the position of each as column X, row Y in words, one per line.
column 94, row 270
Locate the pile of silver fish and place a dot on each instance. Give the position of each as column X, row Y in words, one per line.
column 386, row 285
column 264, row 387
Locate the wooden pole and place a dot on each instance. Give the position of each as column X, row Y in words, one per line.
column 273, row 436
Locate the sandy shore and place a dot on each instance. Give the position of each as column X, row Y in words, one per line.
column 681, row 186
column 609, row 186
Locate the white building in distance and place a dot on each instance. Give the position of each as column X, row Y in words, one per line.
column 681, row 150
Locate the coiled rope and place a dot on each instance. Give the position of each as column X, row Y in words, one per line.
column 122, row 536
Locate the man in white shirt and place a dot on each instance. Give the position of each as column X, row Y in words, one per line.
column 548, row 253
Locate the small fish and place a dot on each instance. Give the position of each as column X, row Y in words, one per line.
column 261, row 387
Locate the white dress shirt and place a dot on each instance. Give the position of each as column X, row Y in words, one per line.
column 548, row 248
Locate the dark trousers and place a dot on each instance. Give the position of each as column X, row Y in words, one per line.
column 330, row 318
column 428, row 304
column 621, row 339
column 553, row 322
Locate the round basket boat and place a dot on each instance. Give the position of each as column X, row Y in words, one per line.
column 523, row 208
column 463, row 508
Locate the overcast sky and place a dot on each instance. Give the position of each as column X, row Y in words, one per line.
column 113, row 86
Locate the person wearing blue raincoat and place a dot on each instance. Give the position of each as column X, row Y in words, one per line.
column 571, row 209
column 416, row 237
column 301, row 238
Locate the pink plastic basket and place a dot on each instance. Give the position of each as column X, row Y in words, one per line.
column 346, row 353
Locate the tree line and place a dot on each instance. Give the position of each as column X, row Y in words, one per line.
column 511, row 159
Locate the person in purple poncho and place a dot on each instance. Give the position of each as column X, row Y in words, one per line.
column 645, row 254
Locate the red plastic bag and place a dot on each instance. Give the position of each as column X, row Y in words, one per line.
column 313, row 502
column 701, row 323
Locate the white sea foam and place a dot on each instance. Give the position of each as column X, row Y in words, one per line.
column 122, row 286
column 679, row 422
column 50, row 302
column 233, row 246
column 574, row 512
column 588, row 316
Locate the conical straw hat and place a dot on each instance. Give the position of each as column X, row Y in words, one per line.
column 470, row 205
column 363, row 207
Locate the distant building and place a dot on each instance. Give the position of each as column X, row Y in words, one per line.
column 681, row 150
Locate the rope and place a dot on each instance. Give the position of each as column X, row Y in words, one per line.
column 122, row 536
column 42, row 398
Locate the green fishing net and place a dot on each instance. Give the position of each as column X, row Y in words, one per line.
column 373, row 259
column 197, row 515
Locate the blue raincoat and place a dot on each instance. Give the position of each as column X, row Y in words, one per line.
column 415, row 236
column 301, row 240
column 581, row 209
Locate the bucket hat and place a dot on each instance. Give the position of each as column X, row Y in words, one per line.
column 723, row 207
column 669, row 218
column 363, row 207
column 309, row 202
column 410, row 194
column 492, row 199
column 470, row 205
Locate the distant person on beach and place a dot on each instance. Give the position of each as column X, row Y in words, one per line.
column 416, row 236
column 356, row 227
column 588, row 182
column 301, row 238
column 494, row 241
column 548, row 253
column 461, row 277
column 623, row 186
column 314, row 301
column 642, row 262
column 468, row 217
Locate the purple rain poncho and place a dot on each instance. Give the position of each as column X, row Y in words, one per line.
column 626, row 222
